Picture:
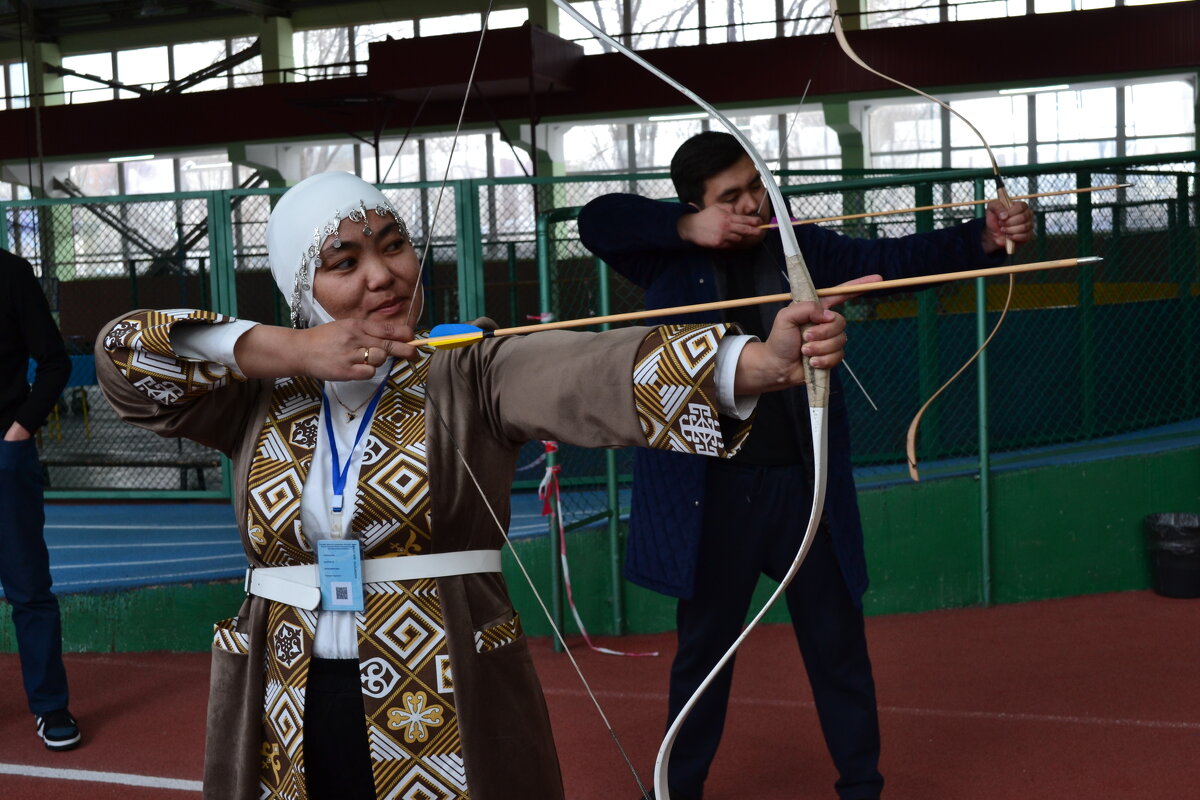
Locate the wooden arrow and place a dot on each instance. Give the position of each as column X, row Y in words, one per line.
column 866, row 214
column 457, row 335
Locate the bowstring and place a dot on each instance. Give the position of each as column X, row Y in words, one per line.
column 1001, row 193
column 816, row 379
column 458, row 450
column 540, row 600
column 437, row 206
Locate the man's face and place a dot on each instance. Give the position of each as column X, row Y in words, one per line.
column 738, row 188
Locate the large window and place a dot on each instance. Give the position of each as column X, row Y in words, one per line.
column 186, row 173
column 476, row 155
column 648, row 24
column 457, row 23
column 150, row 176
column 896, row 13
column 205, row 172
column 84, row 90
column 899, row 13
column 1035, row 125
column 607, row 15
column 96, row 180
column 193, row 57
column 810, row 143
column 602, row 147
column 154, row 68
column 738, row 21
column 14, row 81
column 322, row 53
column 665, row 25
column 249, row 72
column 1160, row 117
column 148, row 67
column 787, row 139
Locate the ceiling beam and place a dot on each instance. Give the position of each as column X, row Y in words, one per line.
column 1076, row 46
column 253, row 7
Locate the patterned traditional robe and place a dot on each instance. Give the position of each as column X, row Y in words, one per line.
column 452, row 704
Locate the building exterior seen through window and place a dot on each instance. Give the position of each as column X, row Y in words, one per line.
column 1025, row 125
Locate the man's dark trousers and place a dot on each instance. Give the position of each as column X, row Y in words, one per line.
column 754, row 521
column 25, row 576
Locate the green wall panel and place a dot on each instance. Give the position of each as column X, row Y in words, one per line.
column 1077, row 529
column 177, row 618
column 922, row 543
column 1057, row 531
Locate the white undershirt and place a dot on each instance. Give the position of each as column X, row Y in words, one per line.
column 336, row 635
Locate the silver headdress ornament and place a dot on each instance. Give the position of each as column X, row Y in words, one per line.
column 295, row 256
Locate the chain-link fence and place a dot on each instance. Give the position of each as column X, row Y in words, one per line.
column 1078, row 348
column 1072, row 362
column 98, row 259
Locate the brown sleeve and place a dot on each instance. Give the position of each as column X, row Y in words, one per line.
column 645, row 387
column 149, row 386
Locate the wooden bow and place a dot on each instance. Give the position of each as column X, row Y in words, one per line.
column 1001, row 193
column 458, row 450
column 817, row 381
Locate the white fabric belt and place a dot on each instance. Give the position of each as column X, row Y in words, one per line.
column 299, row 586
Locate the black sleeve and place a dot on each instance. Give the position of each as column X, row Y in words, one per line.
column 834, row 258
column 41, row 336
column 636, row 236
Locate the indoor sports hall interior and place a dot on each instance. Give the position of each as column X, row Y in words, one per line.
column 1031, row 611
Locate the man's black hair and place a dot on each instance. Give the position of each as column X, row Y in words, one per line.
column 698, row 159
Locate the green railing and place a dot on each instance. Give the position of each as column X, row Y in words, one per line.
column 1069, row 366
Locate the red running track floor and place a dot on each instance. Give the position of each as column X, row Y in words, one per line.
column 1074, row 699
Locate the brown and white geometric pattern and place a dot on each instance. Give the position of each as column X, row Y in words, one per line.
column 283, row 454
column 498, row 635
column 674, row 389
column 413, row 729
column 289, row 650
column 227, row 637
column 140, row 347
column 392, row 517
column 408, row 693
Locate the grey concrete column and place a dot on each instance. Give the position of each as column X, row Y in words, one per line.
column 275, row 37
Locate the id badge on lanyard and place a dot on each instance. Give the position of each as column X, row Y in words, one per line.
column 339, row 559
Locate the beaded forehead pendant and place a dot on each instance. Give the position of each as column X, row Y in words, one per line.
column 310, row 259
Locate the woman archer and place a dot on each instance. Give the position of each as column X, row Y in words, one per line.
column 407, row 669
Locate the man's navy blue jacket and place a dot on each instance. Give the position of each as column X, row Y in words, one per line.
column 639, row 239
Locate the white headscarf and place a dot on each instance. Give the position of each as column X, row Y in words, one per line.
column 308, row 214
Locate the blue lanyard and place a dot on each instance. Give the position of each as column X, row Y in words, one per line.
column 340, row 471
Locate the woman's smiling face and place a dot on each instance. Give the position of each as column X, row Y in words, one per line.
column 370, row 277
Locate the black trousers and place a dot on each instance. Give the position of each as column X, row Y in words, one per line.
column 754, row 522
column 337, row 757
column 25, row 577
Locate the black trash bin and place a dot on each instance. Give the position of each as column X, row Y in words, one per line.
column 1173, row 542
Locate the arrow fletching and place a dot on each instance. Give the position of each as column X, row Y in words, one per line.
column 452, row 335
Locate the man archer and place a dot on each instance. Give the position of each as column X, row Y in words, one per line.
column 703, row 529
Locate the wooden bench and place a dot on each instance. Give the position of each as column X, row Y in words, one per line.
column 199, row 462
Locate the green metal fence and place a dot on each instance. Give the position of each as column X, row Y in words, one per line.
column 1078, row 349
column 1075, row 360
column 96, row 259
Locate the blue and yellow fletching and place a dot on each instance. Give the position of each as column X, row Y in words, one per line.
column 451, row 335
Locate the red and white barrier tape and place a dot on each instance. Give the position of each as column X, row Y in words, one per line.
column 551, row 497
